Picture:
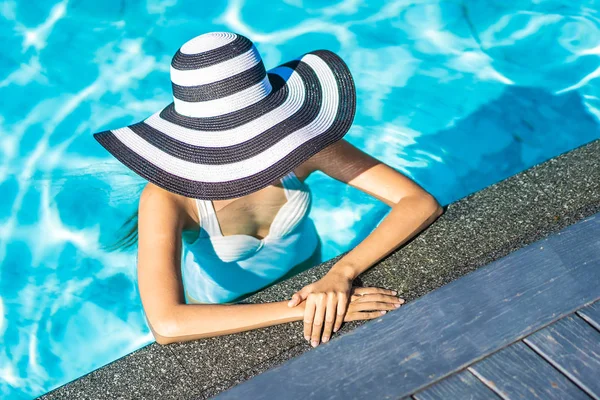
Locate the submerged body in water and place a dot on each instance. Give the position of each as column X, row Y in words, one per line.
column 222, row 269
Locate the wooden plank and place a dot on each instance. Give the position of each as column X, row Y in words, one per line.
column 517, row 372
column 449, row 328
column 573, row 347
column 591, row 314
column 462, row 385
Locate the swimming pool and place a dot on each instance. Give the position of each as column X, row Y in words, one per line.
column 456, row 94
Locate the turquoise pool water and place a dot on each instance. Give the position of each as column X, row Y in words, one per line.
column 456, row 94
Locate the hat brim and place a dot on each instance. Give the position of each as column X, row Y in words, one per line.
column 311, row 105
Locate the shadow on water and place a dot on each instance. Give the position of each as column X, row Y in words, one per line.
column 523, row 127
column 512, row 127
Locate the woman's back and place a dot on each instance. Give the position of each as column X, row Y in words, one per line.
column 219, row 267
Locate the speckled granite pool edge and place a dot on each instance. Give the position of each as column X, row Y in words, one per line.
column 473, row 231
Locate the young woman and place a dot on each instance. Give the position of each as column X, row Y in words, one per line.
column 224, row 213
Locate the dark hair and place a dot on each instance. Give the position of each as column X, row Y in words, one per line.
column 109, row 178
column 129, row 236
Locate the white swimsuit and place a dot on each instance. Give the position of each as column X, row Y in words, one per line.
column 219, row 269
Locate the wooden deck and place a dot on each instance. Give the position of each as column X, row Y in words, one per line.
column 526, row 326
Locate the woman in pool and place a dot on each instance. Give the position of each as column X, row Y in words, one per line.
column 226, row 164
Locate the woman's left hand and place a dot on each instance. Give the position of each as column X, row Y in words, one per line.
column 326, row 305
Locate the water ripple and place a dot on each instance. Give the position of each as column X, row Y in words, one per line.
column 455, row 94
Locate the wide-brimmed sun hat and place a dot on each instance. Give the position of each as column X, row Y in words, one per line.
column 233, row 127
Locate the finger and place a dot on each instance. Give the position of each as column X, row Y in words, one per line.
column 329, row 316
column 295, row 300
column 309, row 315
column 384, row 298
column 317, row 325
column 342, row 307
column 355, row 316
column 298, row 297
column 373, row 290
column 374, row 306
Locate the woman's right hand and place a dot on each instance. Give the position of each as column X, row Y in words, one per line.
column 371, row 302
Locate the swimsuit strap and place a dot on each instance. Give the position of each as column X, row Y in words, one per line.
column 209, row 225
column 290, row 182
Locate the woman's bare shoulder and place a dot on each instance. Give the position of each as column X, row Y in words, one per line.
column 340, row 155
column 154, row 196
column 160, row 203
column 315, row 162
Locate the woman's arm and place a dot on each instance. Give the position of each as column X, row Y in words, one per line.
column 160, row 224
column 409, row 216
column 197, row 321
column 413, row 209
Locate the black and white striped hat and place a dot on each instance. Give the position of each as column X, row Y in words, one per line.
column 233, row 127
